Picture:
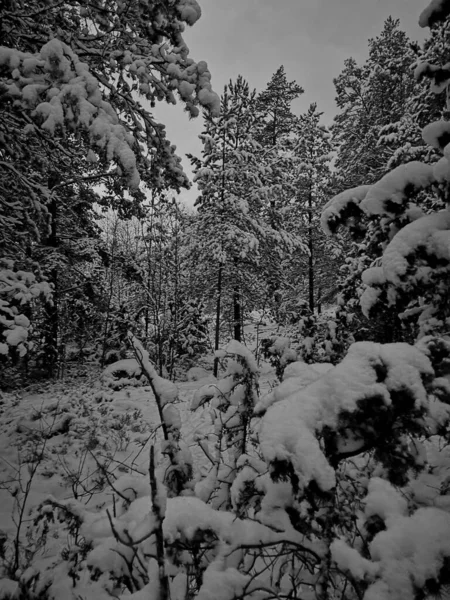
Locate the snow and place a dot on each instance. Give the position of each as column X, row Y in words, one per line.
column 289, row 428
column 224, row 584
column 433, row 133
column 22, row 321
column 373, row 276
column 441, row 170
column 227, row 390
column 166, row 390
column 439, row 75
column 409, row 553
column 210, row 100
column 280, row 344
column 17, row 288
column 426, row 232
column 58, row 463
column 334, row 209
column 16, row 336
column 299, row 368
column 369, row 299
column 384, row 501
column 186, row 516
column 189, row 11
column 392, row 189
column 179, row 586
column 436, row 11
column 349, row 560
column 408, row 261
column 212, row 390
column 60, row 91
column 235, row 347
column 8, row 587
column 106, row 557
column 128, row 365
column 421, row 70
column 317, row 396
column 198, row 373
column 172, row 416
column 296, row 376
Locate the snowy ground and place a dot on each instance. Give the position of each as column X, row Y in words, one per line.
column 72, row 439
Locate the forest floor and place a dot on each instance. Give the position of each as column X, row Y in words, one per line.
column 74, row 438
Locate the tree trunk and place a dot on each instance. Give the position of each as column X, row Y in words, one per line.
column 111, row 267
column 311, row 277
column 237, row 314
column 311, row 256
column 236, row 308
column 51, row 309
column 217, row 332
column 220, row 273
column 174, row 335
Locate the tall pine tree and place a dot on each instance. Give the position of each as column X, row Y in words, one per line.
column 233, row 177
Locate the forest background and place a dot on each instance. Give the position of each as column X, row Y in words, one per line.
column 337, row 236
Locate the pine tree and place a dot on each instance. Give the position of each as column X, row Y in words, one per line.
column 370, row 97
column 275, row 125
column 312, row 176
column 274, row 106
column 230, row 225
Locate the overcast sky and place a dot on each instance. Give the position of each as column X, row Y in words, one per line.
column 311, row 38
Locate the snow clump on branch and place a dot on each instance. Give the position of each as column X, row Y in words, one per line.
column 59, row 91
column 367, row 381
